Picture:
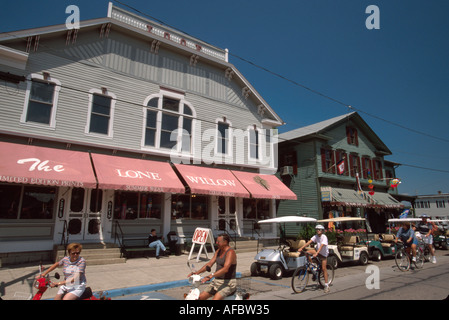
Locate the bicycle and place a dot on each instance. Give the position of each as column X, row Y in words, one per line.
column 300, row 277
column 404, row 260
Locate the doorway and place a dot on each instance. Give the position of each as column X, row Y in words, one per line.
column 85, row 214
column 227, row 215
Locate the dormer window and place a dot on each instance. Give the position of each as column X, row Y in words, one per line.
column 352, row 136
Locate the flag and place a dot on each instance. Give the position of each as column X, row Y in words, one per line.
column 404, row 214
column 359, row 187
column 341, row 166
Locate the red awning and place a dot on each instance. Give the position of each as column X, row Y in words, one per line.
column 121, row 173
column 264, row 186
column 45, row 166
column 211, row 181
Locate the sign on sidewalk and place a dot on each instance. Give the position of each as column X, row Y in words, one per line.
column 201, row 237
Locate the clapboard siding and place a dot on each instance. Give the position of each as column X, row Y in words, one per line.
column 129, row 69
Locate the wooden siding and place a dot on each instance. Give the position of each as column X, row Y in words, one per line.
column 131, row 71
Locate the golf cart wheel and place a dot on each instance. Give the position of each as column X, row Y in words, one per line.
column 363, row 258
column 275, row 271
column 255, row 270
column 377, row 256
column 333, row 261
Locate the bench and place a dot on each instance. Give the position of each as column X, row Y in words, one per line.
column 132, row 247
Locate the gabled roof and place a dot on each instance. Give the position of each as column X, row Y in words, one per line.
column 149, row 30
column 320, row 129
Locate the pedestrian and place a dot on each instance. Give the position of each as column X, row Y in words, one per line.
column 155, row 242
column 427, row 228
column 74, row 270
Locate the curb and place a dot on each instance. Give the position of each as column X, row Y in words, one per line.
column 151, row 287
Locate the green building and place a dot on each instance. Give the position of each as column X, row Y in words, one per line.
column 337, row 168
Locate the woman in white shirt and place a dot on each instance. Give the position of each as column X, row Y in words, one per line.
column 322, row 251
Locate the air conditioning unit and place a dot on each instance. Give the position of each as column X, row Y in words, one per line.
column 287, row 170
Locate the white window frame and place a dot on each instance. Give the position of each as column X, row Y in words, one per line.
column 182, row 102
column 260, row 139
column 39, row 77
column 111, row 116
column 230, row 146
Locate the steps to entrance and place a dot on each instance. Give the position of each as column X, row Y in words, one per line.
column 95, row 254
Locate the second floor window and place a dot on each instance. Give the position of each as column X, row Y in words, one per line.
column 253, row 143
column 101, row 112
column 327, row 160
column 41, row 101
column 223, row 138
column 168, row 122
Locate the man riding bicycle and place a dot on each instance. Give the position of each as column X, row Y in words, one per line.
column 407, row 236
column 427, row 229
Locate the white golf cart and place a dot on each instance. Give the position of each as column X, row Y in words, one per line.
column 276, row 262
column 348, row 249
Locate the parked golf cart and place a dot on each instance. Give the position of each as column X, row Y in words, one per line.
column 441, row 237
column 277, row 262
column 384, row 244
column 349, row 248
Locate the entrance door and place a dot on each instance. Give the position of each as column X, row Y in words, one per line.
column 85, row 212
column 227, row 215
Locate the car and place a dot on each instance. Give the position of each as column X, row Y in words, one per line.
column 349, row 248
column 278, row 262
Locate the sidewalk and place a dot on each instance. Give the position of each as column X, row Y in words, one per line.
column 143, row 273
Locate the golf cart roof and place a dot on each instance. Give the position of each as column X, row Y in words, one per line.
column 342, row 219
column 288, row 219
column 404, row 220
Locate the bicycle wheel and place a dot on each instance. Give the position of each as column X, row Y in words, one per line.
column 402, row 260
column 419, row 258
column 330, row 275
column 300, row 279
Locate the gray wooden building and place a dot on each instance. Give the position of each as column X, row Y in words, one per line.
column 108, row 119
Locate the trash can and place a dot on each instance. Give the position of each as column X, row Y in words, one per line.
column 173, row 239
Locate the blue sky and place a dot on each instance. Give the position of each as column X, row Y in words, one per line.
column 398, row 73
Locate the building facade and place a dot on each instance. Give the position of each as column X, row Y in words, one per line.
column 337, row 168
column 433, row 205
column 125, row 121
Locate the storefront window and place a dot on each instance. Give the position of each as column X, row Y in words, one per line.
column 256, row 208
column 26, row 202
column 189, row 207
column 133, row 205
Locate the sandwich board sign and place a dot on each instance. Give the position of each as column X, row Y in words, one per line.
column 201, row 237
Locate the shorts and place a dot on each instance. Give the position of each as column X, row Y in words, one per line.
column 428, row 239
column 225, row 287
column 77, row 290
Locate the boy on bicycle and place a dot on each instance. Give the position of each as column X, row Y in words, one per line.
column 322, row 251
column 407, row 236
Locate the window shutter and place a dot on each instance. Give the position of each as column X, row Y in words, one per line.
column 323, row 160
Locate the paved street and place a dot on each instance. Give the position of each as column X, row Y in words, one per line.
column 165, row 279
column 429, row 283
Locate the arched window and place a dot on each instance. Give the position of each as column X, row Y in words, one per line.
column 168, row 122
